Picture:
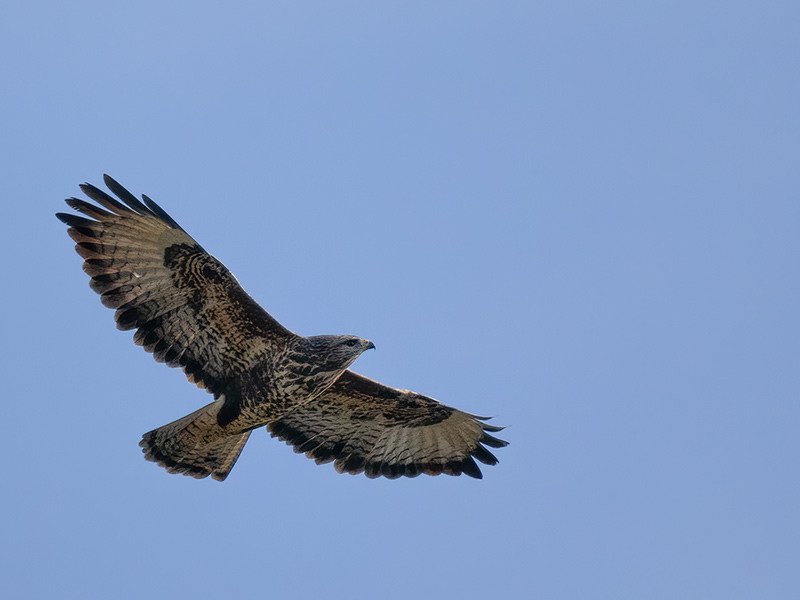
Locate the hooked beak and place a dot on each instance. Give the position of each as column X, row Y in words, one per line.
column 369, row 345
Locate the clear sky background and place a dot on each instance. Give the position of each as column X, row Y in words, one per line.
column 580, row 217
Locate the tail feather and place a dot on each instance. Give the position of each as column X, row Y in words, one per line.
column 195, row 445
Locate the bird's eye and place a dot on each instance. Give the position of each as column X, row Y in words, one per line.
column 351, row 342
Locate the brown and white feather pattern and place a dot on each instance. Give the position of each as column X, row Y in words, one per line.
column 365, row 426
column 190, row 312
column 186, row 307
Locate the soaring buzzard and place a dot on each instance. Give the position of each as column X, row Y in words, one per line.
column 189, row 311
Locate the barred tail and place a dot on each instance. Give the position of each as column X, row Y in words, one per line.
column 195, row 445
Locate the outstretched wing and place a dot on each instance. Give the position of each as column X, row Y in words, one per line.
column 186, row 307
column 366, row 426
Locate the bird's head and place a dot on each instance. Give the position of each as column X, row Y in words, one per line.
column 334, row 352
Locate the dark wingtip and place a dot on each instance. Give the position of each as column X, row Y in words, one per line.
column 80, row 224
column 104, row 199
column 492, row 428
column 492, row 441
column 469, row 467
column 111, row 183
column 160, row 213
column 87, row 208
column 483, row 455
column 479, row 418
column 72, row 203
column 64, row 217
column 87, row 188
column 124, row 195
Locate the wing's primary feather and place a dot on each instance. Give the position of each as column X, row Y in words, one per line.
column 186, row 307
column 365, row 426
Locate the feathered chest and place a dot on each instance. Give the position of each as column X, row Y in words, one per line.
column 270, row 389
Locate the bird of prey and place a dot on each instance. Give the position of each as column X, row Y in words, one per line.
column 189, row 311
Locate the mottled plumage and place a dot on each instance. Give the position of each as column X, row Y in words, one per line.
column 189, row 311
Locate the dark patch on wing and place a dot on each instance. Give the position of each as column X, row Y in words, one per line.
column 197, row 273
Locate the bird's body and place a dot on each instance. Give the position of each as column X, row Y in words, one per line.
column 189, row 311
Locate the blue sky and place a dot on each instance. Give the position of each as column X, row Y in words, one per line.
column 579, row 217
